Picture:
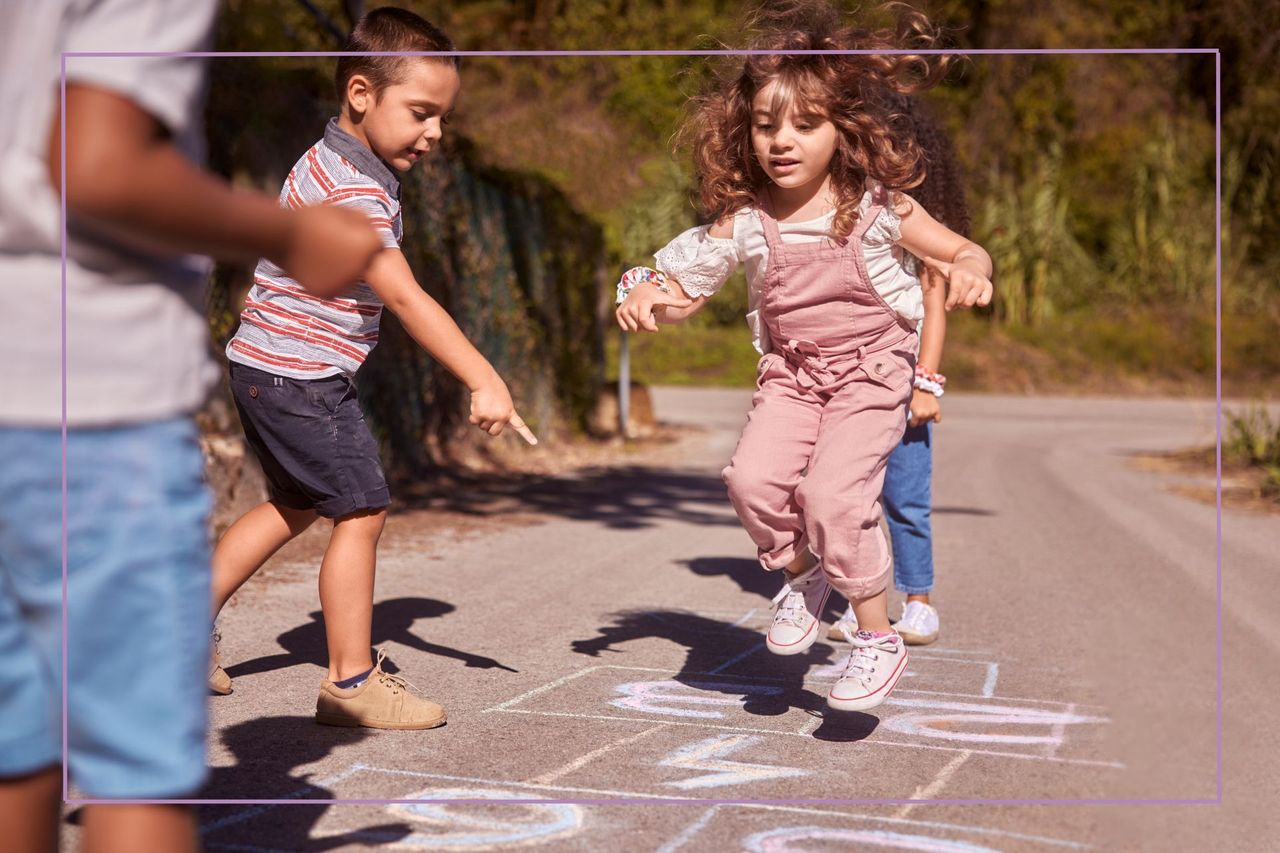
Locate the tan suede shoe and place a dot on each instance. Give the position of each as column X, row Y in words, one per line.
column 383, row 701
column 219, row 681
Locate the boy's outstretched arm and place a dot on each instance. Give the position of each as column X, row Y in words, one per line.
column 436, row 332
column 124, row 174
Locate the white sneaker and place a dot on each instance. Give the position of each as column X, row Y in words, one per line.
column 799, row 608
column 846, row 625
column 919, row 624
column 871, row 672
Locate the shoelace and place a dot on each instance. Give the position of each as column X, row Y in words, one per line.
column 790, row 604
column 790, row 601
column 862, row 660
column 395, row 682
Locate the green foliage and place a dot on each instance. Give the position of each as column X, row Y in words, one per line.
column 688, row 355
column 1041, row 266
column 1091, row 178
column 1163, row 251
column 1253, row 438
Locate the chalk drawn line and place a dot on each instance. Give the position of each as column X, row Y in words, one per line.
column 706, row 817
column 685, row 836
column 1086, row 762
column 537, row 691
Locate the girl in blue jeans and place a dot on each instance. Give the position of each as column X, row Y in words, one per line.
column 907, row 502
column 907, row 496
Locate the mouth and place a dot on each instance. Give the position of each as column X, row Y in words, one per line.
column 415, row 154
column 783, row 164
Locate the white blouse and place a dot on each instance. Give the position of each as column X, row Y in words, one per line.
column 702, row 263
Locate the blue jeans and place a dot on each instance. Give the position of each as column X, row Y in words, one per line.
column 908, row 501
column 137, row 627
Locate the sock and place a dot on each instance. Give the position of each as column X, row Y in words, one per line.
column 353, row 681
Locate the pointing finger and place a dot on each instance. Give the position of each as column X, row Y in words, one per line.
column 518, row 424
column 941, row 267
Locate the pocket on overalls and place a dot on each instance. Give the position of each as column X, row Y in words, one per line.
column 886, row 370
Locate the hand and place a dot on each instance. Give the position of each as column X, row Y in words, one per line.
column 328, row 249
column 966, row 286
column 493, row 411
column 637, row 311
column 924, row 408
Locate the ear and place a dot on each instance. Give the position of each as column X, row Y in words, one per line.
column 360, row 94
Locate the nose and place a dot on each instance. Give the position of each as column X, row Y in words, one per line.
column 433, row 130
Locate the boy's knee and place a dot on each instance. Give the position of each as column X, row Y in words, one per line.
column 369, row 521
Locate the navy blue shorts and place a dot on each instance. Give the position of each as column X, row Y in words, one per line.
column 312, row 441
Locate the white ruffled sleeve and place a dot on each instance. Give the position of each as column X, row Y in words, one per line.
column 700, row 262
column 888, row 225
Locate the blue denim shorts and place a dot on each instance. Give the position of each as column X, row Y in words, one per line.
column 137, row 628
column 312, row 441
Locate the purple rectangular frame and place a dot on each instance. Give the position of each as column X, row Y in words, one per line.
column 1215, row 52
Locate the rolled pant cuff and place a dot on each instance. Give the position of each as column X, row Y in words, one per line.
column 857, row 588
column 784, row 556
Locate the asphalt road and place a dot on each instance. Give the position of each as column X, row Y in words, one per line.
column 597, row 639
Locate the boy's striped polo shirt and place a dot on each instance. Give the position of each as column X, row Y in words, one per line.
column 287, row 331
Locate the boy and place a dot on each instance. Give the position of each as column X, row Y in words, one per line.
column 137, row 368
column 293, row 358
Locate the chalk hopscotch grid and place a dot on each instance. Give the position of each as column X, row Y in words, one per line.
column 680, row 841
column 804, row 732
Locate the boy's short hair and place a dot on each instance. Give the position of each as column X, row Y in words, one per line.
column 388, row 29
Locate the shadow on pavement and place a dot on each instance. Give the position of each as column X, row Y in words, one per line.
column 750, row 577
column 710, row 644
column 624, row 498
column 962, row 510
column 267, row 750
column 393, row 622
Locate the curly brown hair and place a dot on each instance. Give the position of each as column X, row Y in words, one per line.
column 856, row 92
column 942, row 190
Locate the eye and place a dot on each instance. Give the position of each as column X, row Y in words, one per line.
column 418, row 116
column 447, row 120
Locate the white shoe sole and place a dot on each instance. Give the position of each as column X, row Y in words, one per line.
column 804, row 643
column 917, row 639
column 871, row 700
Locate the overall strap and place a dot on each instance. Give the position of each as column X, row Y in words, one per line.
column 879, row 199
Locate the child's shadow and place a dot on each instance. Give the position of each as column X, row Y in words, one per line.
column 267, row 749
column 712, row 644
column 393, row 622
column 711, row 647
column 749, row 577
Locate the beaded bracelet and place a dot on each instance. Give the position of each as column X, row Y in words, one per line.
column 641, row 275
column 927, row 380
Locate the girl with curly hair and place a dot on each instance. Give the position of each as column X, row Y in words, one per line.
column 801, row 163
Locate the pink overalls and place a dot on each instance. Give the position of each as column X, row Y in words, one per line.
column 828, row 410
